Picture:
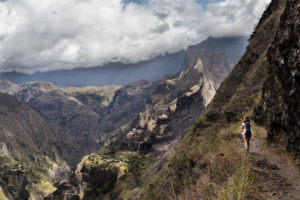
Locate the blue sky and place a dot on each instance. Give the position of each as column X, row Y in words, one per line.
column 46, row 35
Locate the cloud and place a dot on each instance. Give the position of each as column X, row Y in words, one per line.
column 53, row 34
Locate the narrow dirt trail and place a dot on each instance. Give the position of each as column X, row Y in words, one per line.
column 276, row 177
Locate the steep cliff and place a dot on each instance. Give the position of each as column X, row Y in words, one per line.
column 279, row 109
column 174, row 105
column 127, row 103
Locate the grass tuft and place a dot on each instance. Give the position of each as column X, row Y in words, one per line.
column 238, row 185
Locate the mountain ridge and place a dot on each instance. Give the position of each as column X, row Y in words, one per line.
column 121, row 74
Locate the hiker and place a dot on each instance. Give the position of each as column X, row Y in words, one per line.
column 246, row 131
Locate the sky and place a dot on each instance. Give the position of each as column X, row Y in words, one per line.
column 47, row 35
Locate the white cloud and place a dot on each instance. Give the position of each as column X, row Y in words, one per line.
column 55, row 34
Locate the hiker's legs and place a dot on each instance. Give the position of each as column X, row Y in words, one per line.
column 248, row 144
column 246, row 141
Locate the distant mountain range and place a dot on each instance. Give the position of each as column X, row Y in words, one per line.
column 121, row 74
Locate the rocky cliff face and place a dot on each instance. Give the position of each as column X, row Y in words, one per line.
column 128, row 101
column 280, row 108
column 94, row 176
column 175, row 103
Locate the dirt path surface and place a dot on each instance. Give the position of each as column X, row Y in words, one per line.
column 276, row 177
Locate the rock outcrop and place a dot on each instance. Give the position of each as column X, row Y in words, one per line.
column 127, row 103
column 93, row 178
column 280, row 107
column 3, row 149
column 174, row 105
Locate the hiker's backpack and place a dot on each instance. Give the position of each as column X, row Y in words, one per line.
column 248, row 129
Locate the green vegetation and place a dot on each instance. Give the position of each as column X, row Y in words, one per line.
column 237, row 187
column 2, row 195
column 39, row 182
column 257, row 130
column 41, row 189
column 133, row 171
column 118, row 132
column 201, row 122
column 298, row 164
column 257, row 97
column 106, row 160
column 138, row 166
column 128, row 162
column 31, row 160
column 34, row 167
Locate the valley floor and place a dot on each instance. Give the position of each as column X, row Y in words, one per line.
column 275, row 175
